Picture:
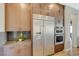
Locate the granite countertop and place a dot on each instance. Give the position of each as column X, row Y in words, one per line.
column 10, row 43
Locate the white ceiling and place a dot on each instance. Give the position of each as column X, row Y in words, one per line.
column 73, row 5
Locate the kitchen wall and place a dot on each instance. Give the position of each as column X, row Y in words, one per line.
column 2, row 17
column 67, row 29
column 78, row 31
column 2, row 38
column 74, row 30
column 2, row 41
column 70, row 14
column 2, row 27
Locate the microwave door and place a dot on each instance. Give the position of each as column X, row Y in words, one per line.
column 37, row 38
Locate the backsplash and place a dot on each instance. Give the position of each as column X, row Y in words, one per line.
column 13, row 35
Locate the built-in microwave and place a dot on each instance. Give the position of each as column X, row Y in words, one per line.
column 59, row 30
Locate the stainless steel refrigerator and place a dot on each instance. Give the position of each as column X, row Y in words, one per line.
column 43, row 35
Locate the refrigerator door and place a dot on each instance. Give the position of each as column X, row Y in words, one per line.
column 37, row 37
column 49, row 36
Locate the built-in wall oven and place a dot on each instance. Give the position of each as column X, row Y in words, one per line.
column 59, row 39
column 59, row 35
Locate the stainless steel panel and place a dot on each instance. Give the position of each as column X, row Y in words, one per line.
column 49, row 36
column 43, row 35
column 37, row 37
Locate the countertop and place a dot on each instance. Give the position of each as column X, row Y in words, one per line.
column 10, row 43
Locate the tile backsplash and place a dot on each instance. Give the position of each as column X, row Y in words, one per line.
column 13, row 35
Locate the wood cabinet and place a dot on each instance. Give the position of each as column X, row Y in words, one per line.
column 18, row 17
column 59, row 48
column 45, row 9
column 51, row 9
column 61, row 15
column 54, row 10
column 18, row 48
column 40, row 8
column 36, row 8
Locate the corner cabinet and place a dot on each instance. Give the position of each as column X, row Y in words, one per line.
column 2, row 17
column 18, row 17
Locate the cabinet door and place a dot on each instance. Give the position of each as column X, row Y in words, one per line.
column 53, row 10
column 25, row 48
column 8, row 51
column 40, row 8
column 18, row 17
column 61, row 15
column 18, row 49
column 44, row 9
column 12, row 17
column 36, row 8
column 26, row 16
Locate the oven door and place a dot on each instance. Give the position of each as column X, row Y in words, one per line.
column 59, row 39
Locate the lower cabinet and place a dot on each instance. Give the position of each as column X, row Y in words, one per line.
column 18, row 49
column 59, row 47
column 1, row 50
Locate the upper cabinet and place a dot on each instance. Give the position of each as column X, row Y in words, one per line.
column 2, row 17
column 50, row 9
column 40, row 8
column 45, row 9
column 36, row 8
column 18, row 17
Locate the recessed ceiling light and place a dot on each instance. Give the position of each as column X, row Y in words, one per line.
column 22, row 5
column 51, row 6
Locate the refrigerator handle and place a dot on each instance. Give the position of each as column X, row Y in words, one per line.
column 38, row 33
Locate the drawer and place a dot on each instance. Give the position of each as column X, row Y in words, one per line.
column 59, row 47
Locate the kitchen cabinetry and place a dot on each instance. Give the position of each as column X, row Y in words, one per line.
column 17, row 48
column 2, row 17
column 45, row 9
column 36, row 8
column 59, row 47
column 57, row 11
column 18, row 17
column 48, row 9
column 40, row 8
column 60, row 16
column 54, row 10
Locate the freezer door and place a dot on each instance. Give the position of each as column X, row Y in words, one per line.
column 37, row 37
column 49, row 37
